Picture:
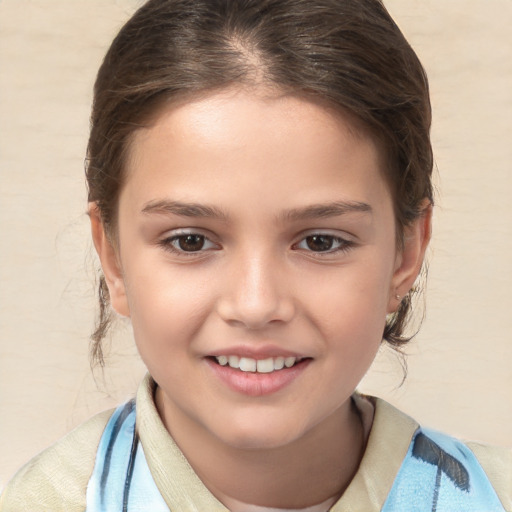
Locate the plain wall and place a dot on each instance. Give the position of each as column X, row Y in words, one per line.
column 460, row 377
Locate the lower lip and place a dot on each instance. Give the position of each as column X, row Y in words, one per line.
column 258, row 384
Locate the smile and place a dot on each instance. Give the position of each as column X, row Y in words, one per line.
column 258, row 377
column 248, row 364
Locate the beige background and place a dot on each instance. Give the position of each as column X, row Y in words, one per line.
column 460, row 377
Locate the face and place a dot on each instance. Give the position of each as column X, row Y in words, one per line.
column 256, row 258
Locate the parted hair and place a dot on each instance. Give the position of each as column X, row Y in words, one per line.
column 347, row 53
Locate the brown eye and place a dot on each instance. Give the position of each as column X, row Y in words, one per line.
column 190, row 243
column 320, row 243
column 324, row 244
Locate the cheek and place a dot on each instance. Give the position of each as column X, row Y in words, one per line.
column 350, row 312
column 353, row 295
column 166, row 307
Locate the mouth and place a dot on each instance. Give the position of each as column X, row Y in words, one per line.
column 250, row 365
column 264, row 374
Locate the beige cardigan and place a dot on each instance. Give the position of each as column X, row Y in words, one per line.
column 56, row 480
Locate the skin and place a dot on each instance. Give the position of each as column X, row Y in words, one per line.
column 265, row 161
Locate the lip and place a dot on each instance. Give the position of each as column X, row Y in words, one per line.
column 257, row 384
column 259, row 352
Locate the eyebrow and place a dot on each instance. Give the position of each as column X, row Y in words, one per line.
column 315, row 211
column 165, row 206
column 326, row 210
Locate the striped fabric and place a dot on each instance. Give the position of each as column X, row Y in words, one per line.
column 121, row 480
column 438, row 474
column 441, row 474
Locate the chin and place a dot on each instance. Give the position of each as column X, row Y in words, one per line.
column 260, row 435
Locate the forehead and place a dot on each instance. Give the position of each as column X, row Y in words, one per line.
column 258, row 106
column 251, row 137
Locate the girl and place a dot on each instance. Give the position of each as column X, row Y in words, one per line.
column 260, row 200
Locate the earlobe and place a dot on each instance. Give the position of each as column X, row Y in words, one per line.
column 109, row 262
column 410, row 258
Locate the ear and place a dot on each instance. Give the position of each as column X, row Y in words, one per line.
column 109, row 262
column 410, row 257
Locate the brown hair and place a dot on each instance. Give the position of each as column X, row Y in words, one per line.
column 349, row 53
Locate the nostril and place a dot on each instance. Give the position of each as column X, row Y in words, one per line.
column 255, row 315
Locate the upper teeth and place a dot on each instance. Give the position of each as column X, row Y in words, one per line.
column 247, row 364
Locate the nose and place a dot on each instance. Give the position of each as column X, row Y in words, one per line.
column 256, row 293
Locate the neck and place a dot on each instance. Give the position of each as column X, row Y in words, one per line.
column 304, row 472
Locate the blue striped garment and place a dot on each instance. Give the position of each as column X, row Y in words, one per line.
column 438, row 474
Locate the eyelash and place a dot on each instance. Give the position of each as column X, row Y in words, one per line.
column 169, row 244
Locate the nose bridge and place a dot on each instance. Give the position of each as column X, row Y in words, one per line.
column 256, row 292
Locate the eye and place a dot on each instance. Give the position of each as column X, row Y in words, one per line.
column 323, row 243
column 188, row 243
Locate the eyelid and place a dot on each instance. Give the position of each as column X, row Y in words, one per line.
column 335, row 233
column 188, row 231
